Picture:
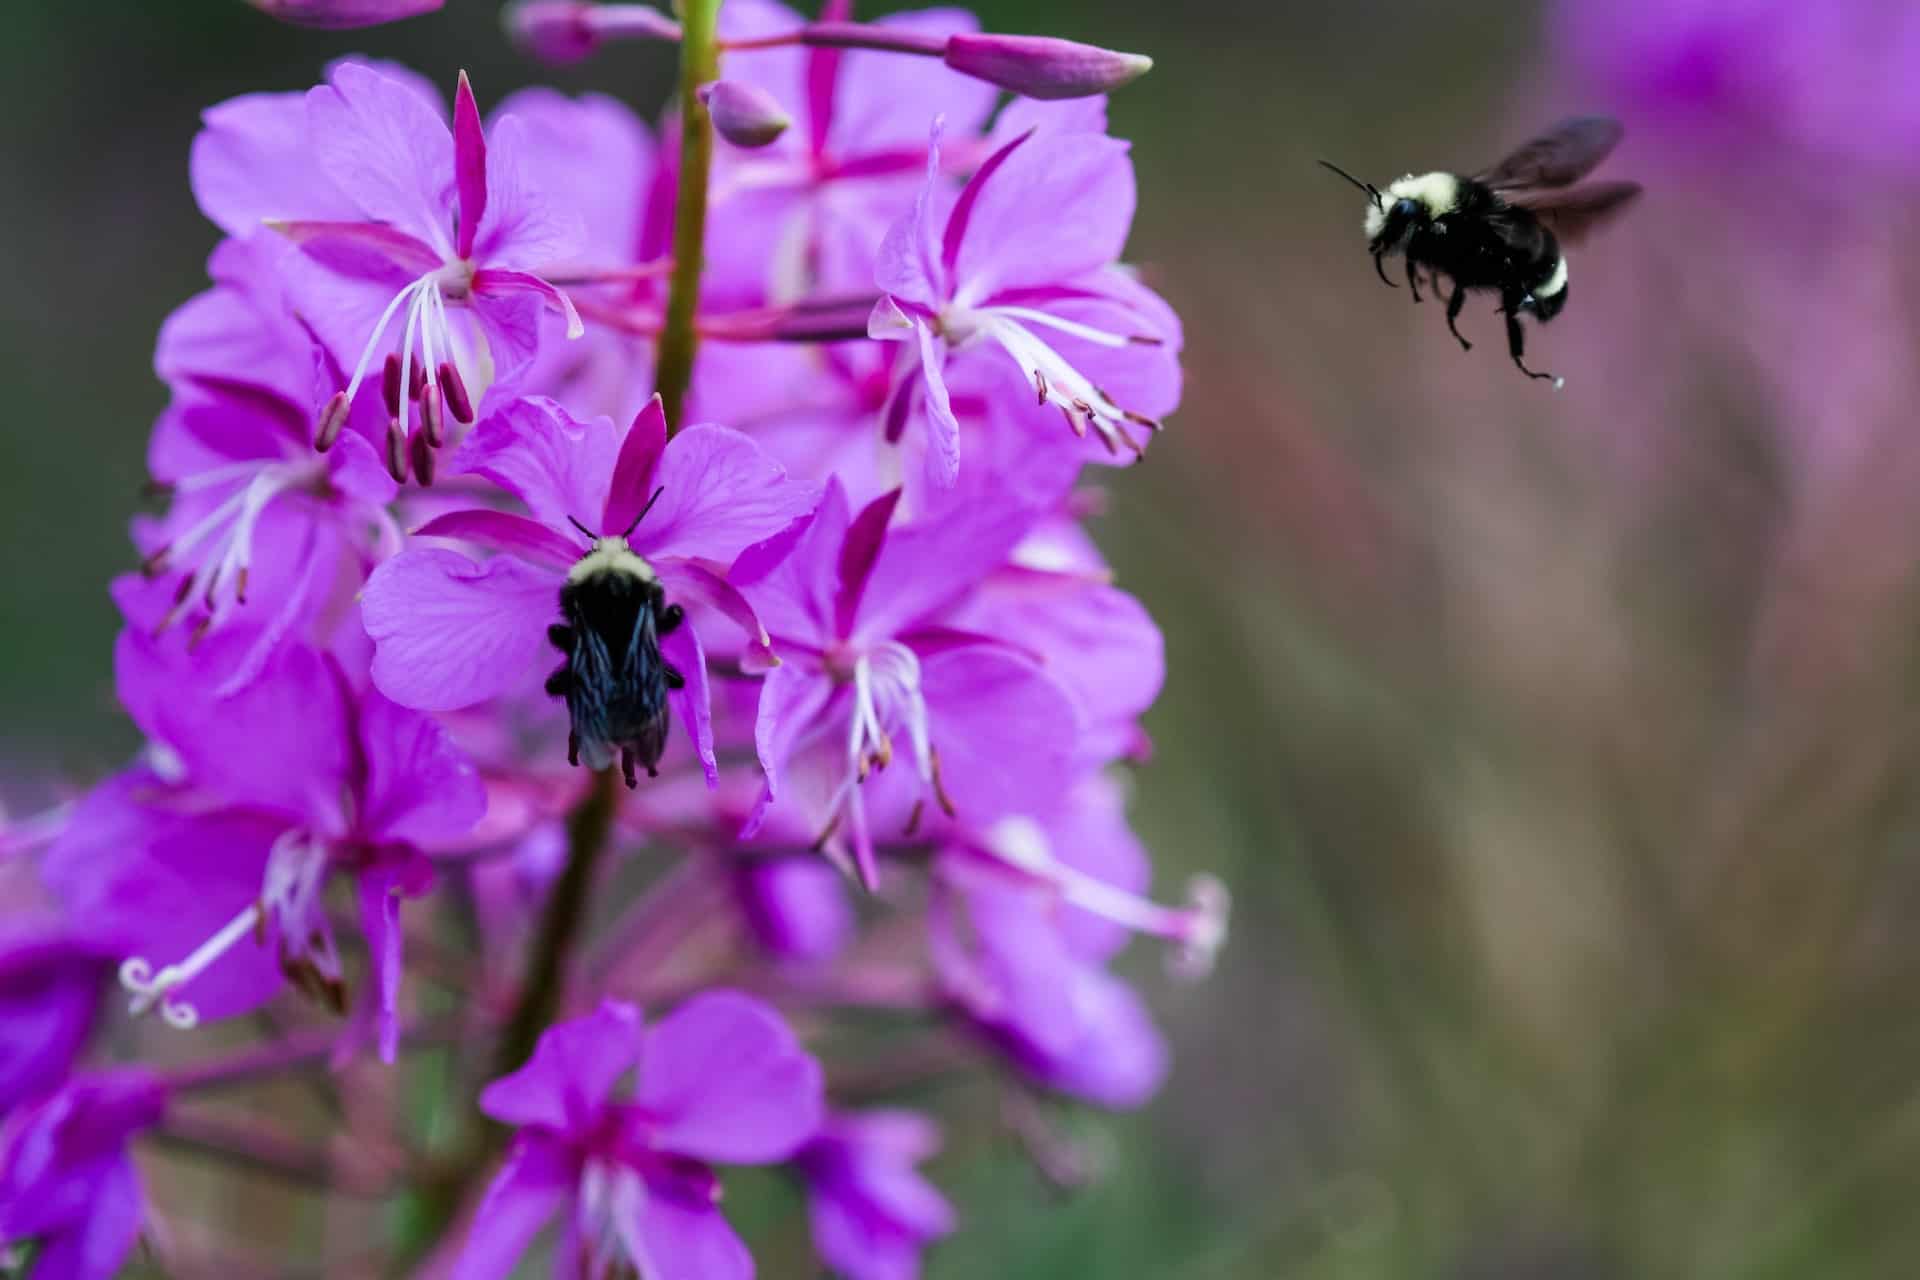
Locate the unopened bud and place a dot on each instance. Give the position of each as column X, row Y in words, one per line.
column 332, row 419
column 743, row 114
column 341, row 14
column 1042, row 66
column 566, row 30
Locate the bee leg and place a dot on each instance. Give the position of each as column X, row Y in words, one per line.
column 1381, row 271
column 1413, row 279
column 670, row 617
column 1457, row 301
column 560, row 637
column 1517, row 343
column 626, row 768
column 671, row 674
column 573, row 750
column 559, row 682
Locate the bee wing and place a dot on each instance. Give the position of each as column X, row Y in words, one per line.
column 1573, row 215
column 1561, row 156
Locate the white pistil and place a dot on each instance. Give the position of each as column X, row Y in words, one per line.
column 149, row 988
column 296, row 868
column 1199, row 928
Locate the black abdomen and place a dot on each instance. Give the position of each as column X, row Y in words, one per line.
column 617, row 686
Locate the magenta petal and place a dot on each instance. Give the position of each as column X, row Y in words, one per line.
column 792, row 698
column 967, row 543
column 674, row 1239
column 693, row 704
column 534, row 449
column 499, row 282
column 943, row 428
column 726, row 1080
column 692, row 583
column 448, row 633
column 385, row 147
column 574, row 1067
column 251, row 161
column 1005, row 730
column 865, row 536
column 633, row 471
column 503, row 531
column 538, row 1179
column 1059, row 206
column 908, row 264
column 364, row 249
column 418, row 788
column 794, row 596
column 469, row 165
column 279, row 744
column 380, row 920
column 722, row 493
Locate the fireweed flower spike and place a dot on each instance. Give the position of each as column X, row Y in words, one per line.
column 1024, row 264
column 215, row 886
column 66, row 1179
column 720, row 1080
column 449, row 632
column 869, row 672
column 407, row 225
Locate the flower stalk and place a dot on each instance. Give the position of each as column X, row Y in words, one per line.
column 699, row 65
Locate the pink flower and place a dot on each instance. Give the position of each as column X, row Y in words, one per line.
column 401, row 220
column 261, row 528
column 872, row 1212
column 1023, row 266
column 721, row 1080
column 450, row 632
column 220, row 872
column 859, row 614
column 66, row 1179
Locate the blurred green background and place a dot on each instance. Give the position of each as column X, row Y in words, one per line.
column 1557, row 748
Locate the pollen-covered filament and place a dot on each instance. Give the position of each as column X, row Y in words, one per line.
column 1055, row 379
column 437, row 382
column 289, row 899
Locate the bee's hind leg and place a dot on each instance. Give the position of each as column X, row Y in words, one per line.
column 1413, row 279
column 1379, row 269
column 1454, row 304
column 1517, row 344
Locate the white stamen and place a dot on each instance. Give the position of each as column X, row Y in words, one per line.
column 1074, row 327
column 372, row 348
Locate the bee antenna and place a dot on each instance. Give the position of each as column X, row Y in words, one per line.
column 1372, row 191
column 591, row 535
column 643, row 511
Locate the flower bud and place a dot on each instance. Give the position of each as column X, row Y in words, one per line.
column 1043, row 67
column 562, row 31
column 744, row 115
column 341, row 14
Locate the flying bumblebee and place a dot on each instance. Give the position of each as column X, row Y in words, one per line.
column 1502, row 229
